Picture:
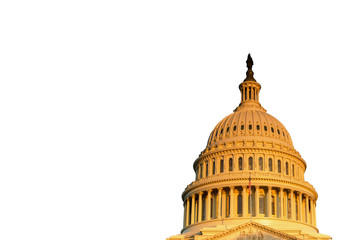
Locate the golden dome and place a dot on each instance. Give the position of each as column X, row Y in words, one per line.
column 248, row 124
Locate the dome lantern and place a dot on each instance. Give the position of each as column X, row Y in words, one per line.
column 250, row 89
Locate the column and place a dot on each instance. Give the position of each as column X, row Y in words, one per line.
column 200, row 208
column 300, row 211
column 192, row 210
column 231, row 202
column 269, row 202
column 219, row 207
column 187, row 211
column 208, row 205
column 285, row 205
column 306, row 209
column 281, row 203
column 315, row 214
column 292, row 203
column 245, row 201
column 311, row 211
column 224, row 204
column 257, row 201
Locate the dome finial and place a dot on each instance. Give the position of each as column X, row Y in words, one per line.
column 249, row 71
column 249, row 62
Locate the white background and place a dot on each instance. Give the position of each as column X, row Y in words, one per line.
column 105, row 105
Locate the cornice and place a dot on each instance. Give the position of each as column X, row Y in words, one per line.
column 247, row 149
column 197, row 184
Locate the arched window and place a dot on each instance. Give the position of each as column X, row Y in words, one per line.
column 260, row 164
column 293, row 170
column 197, row 173
column 230, row 164
column 286, row 168
column 222, row 166
column 240, row 163
column 214, row 167
column 206, row 168
column 200, row 171
column 250, row 163
column 279, row 167
column 270, row 165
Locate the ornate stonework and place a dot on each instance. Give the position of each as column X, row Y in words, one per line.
column 249, row 180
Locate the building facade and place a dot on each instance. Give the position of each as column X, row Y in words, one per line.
column 249, row 179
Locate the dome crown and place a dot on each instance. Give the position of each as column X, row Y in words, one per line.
column 249, row 121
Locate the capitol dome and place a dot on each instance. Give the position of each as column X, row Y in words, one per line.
column 250, row 123
column 249, row 180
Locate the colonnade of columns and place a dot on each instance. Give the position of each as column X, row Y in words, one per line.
column 249, row 93
column 235, row 201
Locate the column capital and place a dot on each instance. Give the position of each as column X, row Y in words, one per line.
column 209, row 191
column 257, row 187
column 200, row 193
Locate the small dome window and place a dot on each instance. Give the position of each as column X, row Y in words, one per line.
column 260, row 163
column 250, row 126
column 230, row 164
column 234, row 128
column 270, row 165
column 216, row 133
column 265, row 128
column 206, row 168
column 272, row 129
column 242, row 127
column 240, row 163
column 250, row 163
column 293, row 170
column 221, row 166
column 279, row 167
column 221, row 130
column 214, row 167
column 286, row 168
column 283, row 134
column 278, row 131
column 227, row 129
column 258, row 127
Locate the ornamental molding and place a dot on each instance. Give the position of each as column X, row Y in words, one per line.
column 191, row 188
column 246, row 150
column 252, row 230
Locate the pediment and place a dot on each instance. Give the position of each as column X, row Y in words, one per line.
column 252, row 231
